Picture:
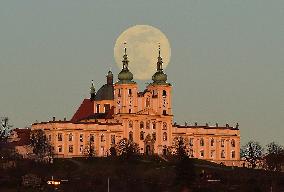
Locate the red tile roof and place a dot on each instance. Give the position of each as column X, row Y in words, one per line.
column 23, row 137
column 85, row 110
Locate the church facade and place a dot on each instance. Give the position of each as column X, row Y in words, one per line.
column 118, row 110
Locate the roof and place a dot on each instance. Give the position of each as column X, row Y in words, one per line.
column 204, row 127
column 105, row 93
column 85, row 110
column 20, row 137
column 108, row 115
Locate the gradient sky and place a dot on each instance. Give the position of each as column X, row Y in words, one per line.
column 227, row 62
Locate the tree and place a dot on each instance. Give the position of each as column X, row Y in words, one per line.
column 179, row 148
column 252, row 153
column 6, row 151
column 89, row 150
column 40, row 144
column 127, row 148
column 112, row 151
column 274, row 157
column 5, row 128
column 185, row 170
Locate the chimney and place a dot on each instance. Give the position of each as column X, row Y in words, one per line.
column 64, row 119
column 53, row 118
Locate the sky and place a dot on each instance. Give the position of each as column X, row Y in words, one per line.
column 227, row 58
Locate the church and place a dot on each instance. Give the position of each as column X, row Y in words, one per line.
column 119, row 110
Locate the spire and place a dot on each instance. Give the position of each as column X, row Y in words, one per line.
column 160, row 61
column 92, row 91
column 125, row 59
column 109, row 78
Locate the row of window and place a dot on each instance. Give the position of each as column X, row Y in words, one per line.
column 164, row 94
column 212, row 142
column 212, row 154
column 81, row 137
column 142, row 125
column 142, row 136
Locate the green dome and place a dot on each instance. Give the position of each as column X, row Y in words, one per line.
column 125, row 76
column 159, row 77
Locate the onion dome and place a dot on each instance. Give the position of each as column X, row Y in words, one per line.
column 125, row 76
column 159, row 77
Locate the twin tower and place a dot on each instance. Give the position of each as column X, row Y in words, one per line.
column 128, row 100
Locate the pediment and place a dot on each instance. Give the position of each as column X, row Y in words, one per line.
column 147, row 111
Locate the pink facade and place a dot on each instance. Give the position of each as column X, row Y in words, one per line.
column 118, row 110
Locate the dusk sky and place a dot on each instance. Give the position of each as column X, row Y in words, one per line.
column 227, row 58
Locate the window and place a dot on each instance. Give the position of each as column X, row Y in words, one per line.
column 190, row 141
column 212, row 142
column 70, row 148
column 212, row 154
column 70, row 137
column 49, row 137
column 190, row 153
column 107, row 107
column 201, row 142
column 141, row 125
column 59, row 136
column 233, row 144
column 148, row 102
column 130, row 136
column 59, row 148
column 164, row 126
column 129, row 92
column 141, row 135
column 202, row 153
column 98, row 108
column 129, row 110
column 164, row 93
column 130, row 124
column 154, row 136
column 112, row 138
column 222, row 154
column 165, row 137
column 148, row 125
column 164, row 112
column 222, row 142
column 92, row 137
column 154, row 125
column 233, row 155
column 119, row 93
column 81, row 148
column 102, row 138
column 81, row 137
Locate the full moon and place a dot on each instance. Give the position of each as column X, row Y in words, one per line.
column 142, row 50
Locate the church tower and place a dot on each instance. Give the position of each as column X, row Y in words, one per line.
column 125, row 90
column 160, row 89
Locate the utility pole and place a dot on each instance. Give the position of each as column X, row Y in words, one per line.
column 108, row 184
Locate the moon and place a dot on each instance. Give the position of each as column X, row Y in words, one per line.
column 142, row 50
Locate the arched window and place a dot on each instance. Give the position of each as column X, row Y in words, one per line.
column 190, row 141
column 164, row 93
column 222, row 154
column 102, row 138
column 233, row 155
column 190, row 153
column 154, row 125
column 212, row 142
column 148, row 125
column 202, row 153
column 201, row 142
column 130, row 124
column 154, row 136
column 165, row 136
column 141, row 124
column 130, row 136
column 70, row 136
column 164, row 126
column 233, row 143
column 141, row 135
column 222, row 142
column 148, row 102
